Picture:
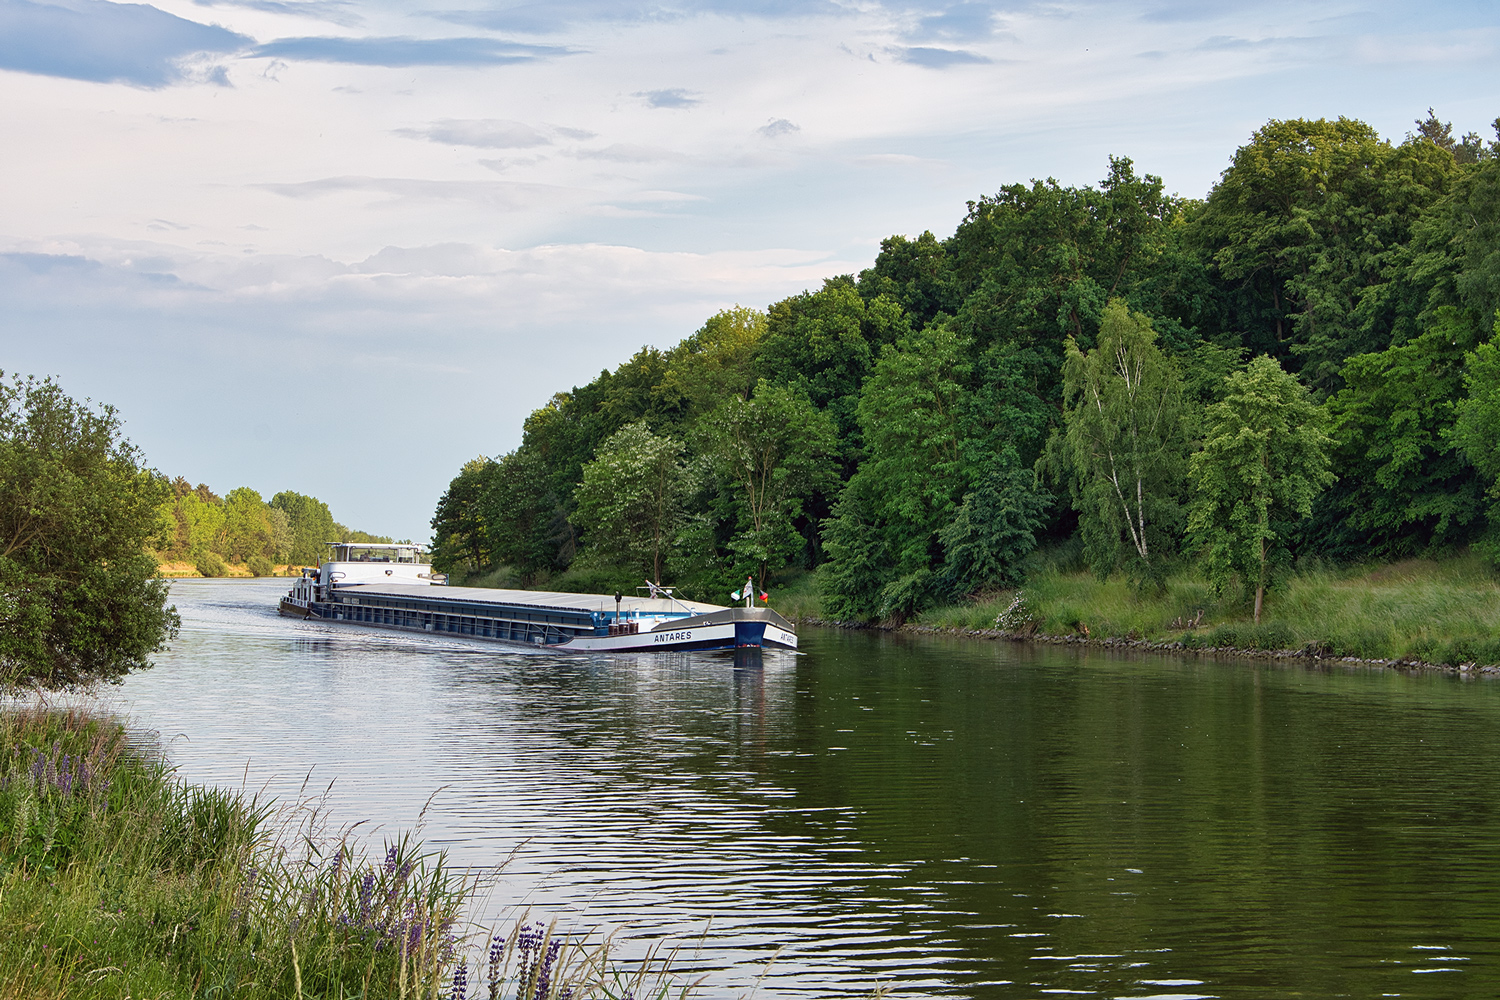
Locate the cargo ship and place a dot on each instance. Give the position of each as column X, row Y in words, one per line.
column 394, row 587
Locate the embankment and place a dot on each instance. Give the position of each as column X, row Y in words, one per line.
column 1416, row 614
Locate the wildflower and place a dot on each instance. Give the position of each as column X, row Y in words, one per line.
column 366, row 890
column 497, row 952
column 460, row 981
column 544, row 976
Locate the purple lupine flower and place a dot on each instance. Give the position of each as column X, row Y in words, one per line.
column 460, row 981
column 497, row 952
column 544, row 976
column 392, row 858
column 413, row 936
column 527, row 941
column 366, row 890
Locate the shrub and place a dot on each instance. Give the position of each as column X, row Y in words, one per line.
column 260, row 566
column 210, row 564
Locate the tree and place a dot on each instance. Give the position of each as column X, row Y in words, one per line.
column 825, row 343
column 993, row 531
column 933, row 436
column 911, row 412
column 1122, row 445
column 311, row 523
column 715, row 363
column 1404, row 483
column 525, row 523
column 247, row 525
column 770, row 453
column 205, row 525
column 1477, row 429
column 1264, row 462
column 629, row 505
column 459, row 536
column 1306, row 222
column 79, row 597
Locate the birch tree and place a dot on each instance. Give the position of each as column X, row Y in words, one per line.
column 1122, row 444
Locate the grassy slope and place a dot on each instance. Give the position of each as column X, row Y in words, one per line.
column 1444, row 611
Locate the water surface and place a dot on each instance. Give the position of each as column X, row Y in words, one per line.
column 948, row 817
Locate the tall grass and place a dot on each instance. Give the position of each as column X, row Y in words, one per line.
column 119, row 880
column 1444, row 611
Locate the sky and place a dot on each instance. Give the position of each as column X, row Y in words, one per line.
column 343, row 246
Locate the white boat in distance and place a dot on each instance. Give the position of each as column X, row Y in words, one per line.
column 394, row 587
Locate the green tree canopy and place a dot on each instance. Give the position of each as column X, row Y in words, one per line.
column 460, row 538
column 715, row 363
column 312, row 526
column 1122, row 446
column 1477, row 429
column 1263, row 463
column 79, row 597
column 1405, row 486
column 771, row 453
column 1306, row 222
column 629, row 505
column 525, row 522
column 931, row 438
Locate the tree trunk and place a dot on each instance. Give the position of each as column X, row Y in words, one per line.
column 1260, row 583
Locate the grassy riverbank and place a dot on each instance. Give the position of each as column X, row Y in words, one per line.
column 186, row 570
column 118, row 880
column 1445, row 611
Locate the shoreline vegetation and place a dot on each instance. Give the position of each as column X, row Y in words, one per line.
column 183, row 570
column 1270, row 416
column 119, row 879
column 1413, row 614
column 200, row 533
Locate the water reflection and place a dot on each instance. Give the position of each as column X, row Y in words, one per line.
column 954, row 818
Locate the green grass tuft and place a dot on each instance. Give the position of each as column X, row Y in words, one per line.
column 1438, row 611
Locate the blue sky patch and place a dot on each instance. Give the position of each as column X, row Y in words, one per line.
column 110, row 42
column 409, row 51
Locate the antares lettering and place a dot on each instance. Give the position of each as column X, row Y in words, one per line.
column 674, row 636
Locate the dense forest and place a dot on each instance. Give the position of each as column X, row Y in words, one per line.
column 1305, row 364
column 198, row 526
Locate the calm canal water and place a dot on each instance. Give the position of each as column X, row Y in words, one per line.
column 951, row 818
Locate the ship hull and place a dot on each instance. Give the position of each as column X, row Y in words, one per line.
column 430, row 612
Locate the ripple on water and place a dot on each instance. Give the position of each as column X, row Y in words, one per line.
column 955, row 819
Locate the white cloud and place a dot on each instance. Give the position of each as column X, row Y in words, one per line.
column 507, row 211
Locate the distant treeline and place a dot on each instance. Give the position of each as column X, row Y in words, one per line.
column 1299, row 364
column 200, row 527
